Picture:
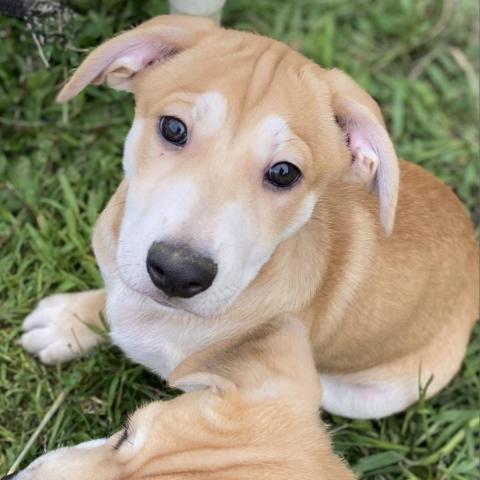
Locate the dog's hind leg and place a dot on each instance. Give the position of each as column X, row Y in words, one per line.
column 64, row 326
column 390, row 388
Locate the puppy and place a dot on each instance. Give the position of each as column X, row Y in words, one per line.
column 258, row 183
column 255, row 417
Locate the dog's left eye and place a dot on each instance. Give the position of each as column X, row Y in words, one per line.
column 173, row 130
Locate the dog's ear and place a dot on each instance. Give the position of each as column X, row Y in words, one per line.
column 118, row 60
column 374, row 162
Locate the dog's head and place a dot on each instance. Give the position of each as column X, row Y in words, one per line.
column 252, row 415
column 235, row 139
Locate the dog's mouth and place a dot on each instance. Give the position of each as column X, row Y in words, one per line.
column 158, row 297
column 165, row 302
column 212, row 302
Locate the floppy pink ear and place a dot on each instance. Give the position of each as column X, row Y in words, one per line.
column 374, row 162
column 118, row 60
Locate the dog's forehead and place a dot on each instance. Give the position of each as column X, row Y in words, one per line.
column 210, row 111
column 245, row 86
column 248, row 69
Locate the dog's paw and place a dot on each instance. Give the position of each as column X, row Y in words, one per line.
column 59, row 328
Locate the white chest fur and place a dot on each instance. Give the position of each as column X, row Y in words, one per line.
column 154, row 336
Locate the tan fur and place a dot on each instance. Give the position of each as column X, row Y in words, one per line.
column 420, row 282
column 368, row 300
column 384, row 311
column 237, row 427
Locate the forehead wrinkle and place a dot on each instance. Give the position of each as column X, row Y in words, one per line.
column 265, row 68
column 254, row 77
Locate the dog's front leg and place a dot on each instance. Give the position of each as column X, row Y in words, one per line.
column 64, row 326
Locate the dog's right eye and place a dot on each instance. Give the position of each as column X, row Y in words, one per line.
column 173, row 130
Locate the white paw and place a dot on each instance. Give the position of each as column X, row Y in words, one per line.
column 57, row 330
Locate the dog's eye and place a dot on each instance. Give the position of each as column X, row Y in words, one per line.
column 283, row 174
column 173, row 130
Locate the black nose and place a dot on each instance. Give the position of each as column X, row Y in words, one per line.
column 9, row 477
column 178, row 270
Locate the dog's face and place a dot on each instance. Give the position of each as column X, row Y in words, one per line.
column 234, row 141
column 220, row 183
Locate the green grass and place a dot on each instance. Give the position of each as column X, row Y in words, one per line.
column 59, row 165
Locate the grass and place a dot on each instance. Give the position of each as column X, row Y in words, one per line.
column 59, row 165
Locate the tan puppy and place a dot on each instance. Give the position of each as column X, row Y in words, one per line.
column 244, row 198
column 256, row 417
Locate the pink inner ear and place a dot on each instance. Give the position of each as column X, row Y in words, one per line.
column 135, row 58
column 374, row 162
column 128, row 53
column 364, row 157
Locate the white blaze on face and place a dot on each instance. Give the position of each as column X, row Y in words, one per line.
column 158, row 214
column 234, row 235
column 209, row 113
column 162, row 212
column 153, row 216
column 272, row 144
column 130, row 147
column 272, row 132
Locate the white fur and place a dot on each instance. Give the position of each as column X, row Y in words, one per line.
column 275, row 142
column 47, row 465
column 271, row 132
column 173, row 212
column 161, row 337
column 98, row 442
column 302, row 216
column 159, row 332
column 209, row 113
column 130, row 146
column 155, row 336
column 354, row 397
column 156, row 331
column 56, row 330
column 240, row 251
column 157, row 217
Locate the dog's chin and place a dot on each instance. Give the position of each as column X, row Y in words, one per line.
column 195, row 308
column 198, row 307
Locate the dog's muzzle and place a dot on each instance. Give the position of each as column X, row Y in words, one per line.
column 178, row 270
